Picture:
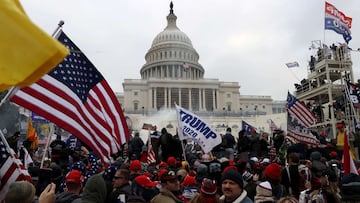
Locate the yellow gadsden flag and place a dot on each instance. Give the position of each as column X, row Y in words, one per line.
column 26, row 52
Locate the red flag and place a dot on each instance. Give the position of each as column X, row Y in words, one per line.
column 76, row 97
column 11, row 169
column 349, row 166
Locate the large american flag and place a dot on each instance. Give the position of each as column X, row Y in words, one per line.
column 300, row 111
column 300, row 118
column 76, row 97
column 11, row 169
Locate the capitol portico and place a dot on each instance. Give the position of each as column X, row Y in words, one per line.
column 173, row 75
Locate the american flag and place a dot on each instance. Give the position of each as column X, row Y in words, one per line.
column 300, row 118
column 11, row 169
column 300, row 111
column 150, row 153
column 76, row 97
column 186, row 66
column 272, row 125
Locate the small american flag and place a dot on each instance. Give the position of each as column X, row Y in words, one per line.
column 186, row 66
column 76, row 97
column 272, row 125
column 150, row 153
column 11, row 169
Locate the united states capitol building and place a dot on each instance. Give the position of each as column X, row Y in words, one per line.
column 173, row 75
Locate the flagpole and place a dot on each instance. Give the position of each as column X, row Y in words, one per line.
column 47, row 144
column 4, row 140
column 61, row 23
column 183, row 147
column 347, row 93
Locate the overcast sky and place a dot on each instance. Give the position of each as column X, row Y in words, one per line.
column 238, row 41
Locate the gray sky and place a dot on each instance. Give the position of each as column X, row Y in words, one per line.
column 238, row 41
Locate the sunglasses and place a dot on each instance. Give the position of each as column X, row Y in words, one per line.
column 118, row 177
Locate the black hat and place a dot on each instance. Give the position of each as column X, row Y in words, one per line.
column 234, row 176
column 168, row 175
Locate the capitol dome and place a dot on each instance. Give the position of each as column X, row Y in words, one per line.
column 172, row 55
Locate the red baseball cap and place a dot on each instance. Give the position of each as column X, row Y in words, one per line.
column 145, row 181
column 135, row 165
column 171, row 161
column 74, row 176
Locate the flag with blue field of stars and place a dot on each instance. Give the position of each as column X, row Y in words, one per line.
column 77, row 98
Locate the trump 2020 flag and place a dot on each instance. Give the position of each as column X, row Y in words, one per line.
column 76, row 97
column 192, row 126
column 337, row 21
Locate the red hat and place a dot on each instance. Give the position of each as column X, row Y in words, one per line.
column 273, row 171
column 74, row 176
column 162, row 165
column 333, row 154
column 188, row 181
column 231, row 162
column 208, row 187
column 135, row 165
column 323, row 133
column 340, row 126
column 171, row 161
column 145, row 181
column 230, row 167
column 161, row 172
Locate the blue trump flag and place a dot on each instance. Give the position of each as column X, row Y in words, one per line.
column 247, row 128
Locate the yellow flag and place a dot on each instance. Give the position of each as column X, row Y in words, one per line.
column 26, row 52
column 32, row 135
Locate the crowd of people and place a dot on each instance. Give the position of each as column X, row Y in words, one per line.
column 245, row 168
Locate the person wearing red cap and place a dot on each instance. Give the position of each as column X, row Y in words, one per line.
column 144, row 187
column 135, row 169
column 208, row 192
column 273, row 175
column 73, row 181
column 170, row 186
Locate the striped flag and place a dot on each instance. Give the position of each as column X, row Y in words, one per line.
column 300, row 118
column 11, row 169
column 76, row 97
column 150, row 154
column 300, row 111
column 186, row 66
column 272, row 125
column 349, row 166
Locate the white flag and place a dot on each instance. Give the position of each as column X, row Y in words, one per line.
column 292, row 64
column 192, row 126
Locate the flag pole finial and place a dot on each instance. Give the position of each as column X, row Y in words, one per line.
column 61, row 23
column 171, row 8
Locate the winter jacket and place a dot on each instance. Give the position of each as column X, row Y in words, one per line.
column 165, row 196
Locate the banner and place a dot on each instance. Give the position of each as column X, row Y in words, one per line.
column 192, row 126
column 337, row 21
